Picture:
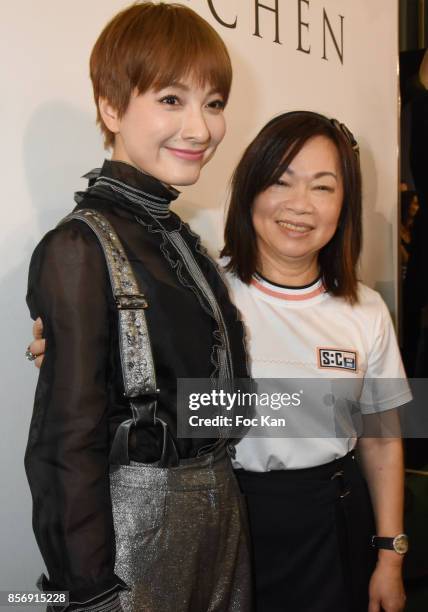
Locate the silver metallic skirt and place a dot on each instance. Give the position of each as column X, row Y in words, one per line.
column 182, row 542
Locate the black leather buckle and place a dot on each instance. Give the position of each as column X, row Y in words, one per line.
column 136, row 301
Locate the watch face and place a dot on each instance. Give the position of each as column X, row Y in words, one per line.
column 401, row 544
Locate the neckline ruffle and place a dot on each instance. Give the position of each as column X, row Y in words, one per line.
column 134, row 185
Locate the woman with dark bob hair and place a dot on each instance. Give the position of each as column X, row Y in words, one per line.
column 292, row 240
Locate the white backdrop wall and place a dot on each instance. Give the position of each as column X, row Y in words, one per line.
column 338, row 57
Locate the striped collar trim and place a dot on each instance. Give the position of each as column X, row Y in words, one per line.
column 287, row 293
column 157, row 206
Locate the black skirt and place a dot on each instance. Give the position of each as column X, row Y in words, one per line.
column 311, row 532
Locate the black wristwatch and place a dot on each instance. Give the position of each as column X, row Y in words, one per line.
column 400, row 543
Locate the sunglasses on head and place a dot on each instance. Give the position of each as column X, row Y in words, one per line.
column 347, row 133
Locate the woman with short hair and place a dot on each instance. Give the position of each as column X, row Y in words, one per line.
column 166, row 530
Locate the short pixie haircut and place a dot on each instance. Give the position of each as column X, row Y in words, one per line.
column 263, row 163
column 152, row 45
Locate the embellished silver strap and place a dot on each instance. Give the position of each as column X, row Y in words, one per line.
column 135, row 349
column 137, row 363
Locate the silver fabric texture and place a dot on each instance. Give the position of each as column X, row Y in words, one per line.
column 136, row 353
column 182, row 541
column 135, row 348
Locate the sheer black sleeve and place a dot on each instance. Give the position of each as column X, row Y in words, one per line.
column 67, row 453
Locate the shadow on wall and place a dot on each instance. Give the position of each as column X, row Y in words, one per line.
column 59, row 145
column 378, row 232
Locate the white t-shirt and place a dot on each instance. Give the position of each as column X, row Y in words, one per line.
column 308, row 333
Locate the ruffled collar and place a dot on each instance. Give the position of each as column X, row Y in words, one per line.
column 134, row 185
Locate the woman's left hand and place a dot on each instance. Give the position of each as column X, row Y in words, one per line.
column 386, row 590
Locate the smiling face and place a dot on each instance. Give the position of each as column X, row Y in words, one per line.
column 298, row 215
column 170, row 134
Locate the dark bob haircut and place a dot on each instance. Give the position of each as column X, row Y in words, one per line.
column 263, row 163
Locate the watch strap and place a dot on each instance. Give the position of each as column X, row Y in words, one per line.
column 379, row 542
column 399, row 544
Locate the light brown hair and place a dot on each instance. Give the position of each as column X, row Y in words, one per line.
column 152, row 45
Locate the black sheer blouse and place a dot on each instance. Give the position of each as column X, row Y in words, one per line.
column 79, row 400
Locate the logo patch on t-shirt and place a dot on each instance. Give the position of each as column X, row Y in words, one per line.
column 337, row 359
